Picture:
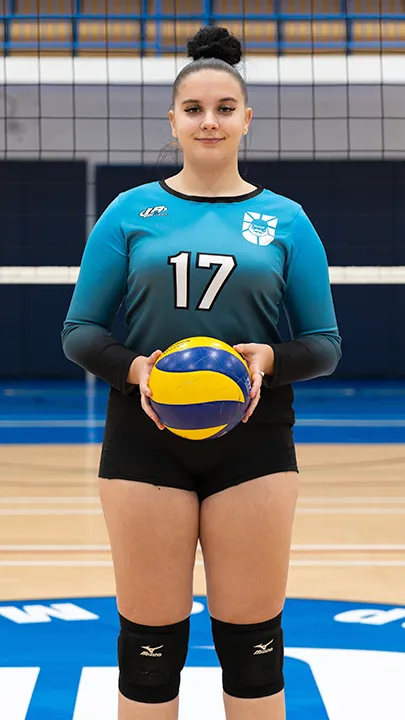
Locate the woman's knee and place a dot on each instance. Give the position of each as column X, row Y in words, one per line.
column 251, row 657
column 150, row 660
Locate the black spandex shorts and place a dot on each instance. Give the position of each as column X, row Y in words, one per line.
column 135, row 449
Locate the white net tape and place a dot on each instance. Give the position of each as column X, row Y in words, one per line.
column 54, row 275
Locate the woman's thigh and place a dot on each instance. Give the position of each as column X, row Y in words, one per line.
column 245, row 534
column 153, row 533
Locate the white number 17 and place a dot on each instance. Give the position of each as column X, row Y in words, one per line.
column 225, row 265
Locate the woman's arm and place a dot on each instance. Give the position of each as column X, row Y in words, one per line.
column 316, row 346
column 100, row 289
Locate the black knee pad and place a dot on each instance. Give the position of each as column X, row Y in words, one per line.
column 251, row 657
column 151, row 659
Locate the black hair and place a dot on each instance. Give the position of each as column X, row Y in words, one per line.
column 212, row 48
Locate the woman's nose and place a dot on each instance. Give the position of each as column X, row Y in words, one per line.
column 209, row 121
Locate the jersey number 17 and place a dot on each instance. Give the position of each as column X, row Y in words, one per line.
column 225, row 265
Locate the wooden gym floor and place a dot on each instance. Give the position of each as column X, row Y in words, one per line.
column 348, row 541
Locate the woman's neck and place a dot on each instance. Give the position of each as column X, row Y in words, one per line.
column 209, row 182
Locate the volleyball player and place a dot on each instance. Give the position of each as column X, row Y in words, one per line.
column 203, row 253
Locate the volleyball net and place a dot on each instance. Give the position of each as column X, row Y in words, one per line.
column 85, row 88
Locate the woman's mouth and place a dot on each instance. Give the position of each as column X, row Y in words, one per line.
column 209, row 141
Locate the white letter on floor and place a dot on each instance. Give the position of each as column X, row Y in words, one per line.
column 200, row 695
column 97, row 696
column 357, row 683
column 16, row 688
column 44, row 613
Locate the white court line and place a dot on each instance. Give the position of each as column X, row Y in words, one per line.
column 345, row 548
column 55, row 563
column 348, row 511
column 348, row 563
column 49, row 500
column 294, row 548
column 339, row 563
column 52, row 511
column 56, row 548
column 347, row 499
column 199, row 563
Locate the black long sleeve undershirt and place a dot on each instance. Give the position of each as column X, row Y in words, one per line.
column 94, row 349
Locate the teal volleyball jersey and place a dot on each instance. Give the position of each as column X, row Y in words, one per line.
column 217, row 267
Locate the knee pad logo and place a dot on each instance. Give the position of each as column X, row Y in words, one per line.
column 263, row 648
column 151, row 651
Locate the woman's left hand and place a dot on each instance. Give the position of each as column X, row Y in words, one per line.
column 260, row 360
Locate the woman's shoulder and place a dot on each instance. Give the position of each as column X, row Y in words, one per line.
column 143, row 200
column 280, row 200
column 279, row 205
column 146, row 191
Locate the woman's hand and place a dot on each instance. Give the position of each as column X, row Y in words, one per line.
column 139, row 374
column 260, row 360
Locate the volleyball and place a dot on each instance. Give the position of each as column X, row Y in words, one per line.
column 200, row 388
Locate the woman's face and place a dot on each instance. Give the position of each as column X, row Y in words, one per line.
column 209, row 117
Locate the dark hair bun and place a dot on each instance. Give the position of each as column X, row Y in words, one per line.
column 215, row 42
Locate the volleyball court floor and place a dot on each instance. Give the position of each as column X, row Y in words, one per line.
column 344, row 619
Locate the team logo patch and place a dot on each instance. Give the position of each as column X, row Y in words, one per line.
column 157, row 210
column 259, row 229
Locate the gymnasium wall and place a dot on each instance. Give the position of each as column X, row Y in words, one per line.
column 42, row 222
column 356, row 206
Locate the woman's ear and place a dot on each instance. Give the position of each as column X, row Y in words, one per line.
column 248, row 119
column 172, row 123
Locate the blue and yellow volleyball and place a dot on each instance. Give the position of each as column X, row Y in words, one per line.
column 200, row 388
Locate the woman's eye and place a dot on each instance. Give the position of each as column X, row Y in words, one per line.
column 195, row 109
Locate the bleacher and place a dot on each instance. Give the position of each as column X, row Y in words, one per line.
column 155, row 27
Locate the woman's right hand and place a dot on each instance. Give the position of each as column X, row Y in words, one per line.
column 139, row 374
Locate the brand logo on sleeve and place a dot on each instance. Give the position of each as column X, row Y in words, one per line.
column 259, row 229
column 157, row 210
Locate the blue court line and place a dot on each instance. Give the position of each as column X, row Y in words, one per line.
column 301, row 422
column 78, row 432
column 327, row 411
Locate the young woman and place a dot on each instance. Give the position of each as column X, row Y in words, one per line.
column 203, row 253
